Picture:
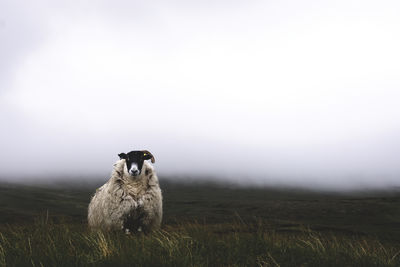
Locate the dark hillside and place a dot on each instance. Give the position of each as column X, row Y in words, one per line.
column 371, row 213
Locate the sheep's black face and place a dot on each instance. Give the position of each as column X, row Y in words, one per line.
column 134, row 160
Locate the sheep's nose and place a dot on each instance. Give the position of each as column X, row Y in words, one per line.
column 135, row 172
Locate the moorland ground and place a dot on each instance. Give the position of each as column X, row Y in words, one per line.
column 205, row 224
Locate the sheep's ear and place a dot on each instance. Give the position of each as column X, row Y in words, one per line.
column 123, row 156
column 148, row 155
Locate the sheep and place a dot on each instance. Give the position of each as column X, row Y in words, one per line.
column 131, row 200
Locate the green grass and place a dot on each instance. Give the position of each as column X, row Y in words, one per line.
column 204, row 225
column 188, row 244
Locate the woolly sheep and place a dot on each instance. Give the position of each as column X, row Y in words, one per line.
column 131, row 200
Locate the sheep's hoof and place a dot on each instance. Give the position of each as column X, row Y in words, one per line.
column 127, row 231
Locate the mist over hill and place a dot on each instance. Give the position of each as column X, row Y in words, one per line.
column 246, row 92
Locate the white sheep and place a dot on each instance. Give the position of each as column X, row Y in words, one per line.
column 131, row 200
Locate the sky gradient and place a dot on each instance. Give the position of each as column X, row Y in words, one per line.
column 261, row 91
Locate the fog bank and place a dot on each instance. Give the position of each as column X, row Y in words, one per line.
column 250, row 92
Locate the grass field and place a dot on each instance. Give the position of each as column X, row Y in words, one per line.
column 204, row 224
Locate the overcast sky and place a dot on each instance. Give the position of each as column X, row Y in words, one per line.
column 294, row 92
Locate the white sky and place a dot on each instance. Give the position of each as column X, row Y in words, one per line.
column 271, row 91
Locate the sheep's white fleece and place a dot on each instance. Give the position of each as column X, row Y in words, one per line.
column 126, row 202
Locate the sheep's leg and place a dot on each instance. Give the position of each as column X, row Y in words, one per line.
column 133, row 220
column 151, row 212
